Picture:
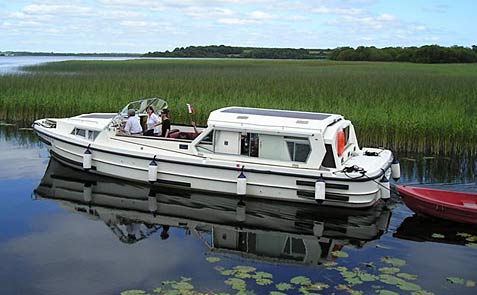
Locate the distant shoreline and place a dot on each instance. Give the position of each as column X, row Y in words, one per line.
column 27, row 53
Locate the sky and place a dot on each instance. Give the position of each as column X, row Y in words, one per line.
column 139, row 26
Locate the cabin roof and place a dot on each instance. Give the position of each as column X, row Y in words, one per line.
column 93, row 121
column 253, row 118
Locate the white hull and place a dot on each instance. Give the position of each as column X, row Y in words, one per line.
column 203, row 174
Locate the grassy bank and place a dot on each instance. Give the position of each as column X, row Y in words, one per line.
column 410, row 107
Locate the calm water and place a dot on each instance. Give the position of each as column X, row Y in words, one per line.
column 68, row 232
column 11, row 64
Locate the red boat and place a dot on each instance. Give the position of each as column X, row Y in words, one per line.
column 454, row 206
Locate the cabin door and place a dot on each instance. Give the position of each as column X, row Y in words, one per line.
column 227, row 142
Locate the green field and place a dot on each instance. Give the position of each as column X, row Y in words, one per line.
column 406, row 107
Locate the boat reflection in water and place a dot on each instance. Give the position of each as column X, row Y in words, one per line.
column 256, row 229
column 419, row 228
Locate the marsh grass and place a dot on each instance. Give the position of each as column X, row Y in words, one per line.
column 408, row 107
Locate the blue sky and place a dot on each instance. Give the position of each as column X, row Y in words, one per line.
column 152, row 25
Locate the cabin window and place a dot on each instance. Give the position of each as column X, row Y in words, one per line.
column 88, row 134
column 346, row 135
column 79, row 132
column 206, row 144
column 275, row 147
column 294, row 247
column 298, row 148
column 92, row 134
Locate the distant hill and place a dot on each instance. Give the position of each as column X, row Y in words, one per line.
column 222, row 51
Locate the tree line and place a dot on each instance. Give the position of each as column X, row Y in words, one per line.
column 423, row 54
column 222, row 51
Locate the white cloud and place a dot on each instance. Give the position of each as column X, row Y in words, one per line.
column 386, row 17
column 208, row 13
column 136, row 24
column 57, row 9
column 234, row 21
column 338, row 11
column 259, row 15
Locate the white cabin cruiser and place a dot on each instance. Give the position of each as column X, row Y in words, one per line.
column 270, row 154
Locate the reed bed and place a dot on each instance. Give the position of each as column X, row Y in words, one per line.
column 406, row 107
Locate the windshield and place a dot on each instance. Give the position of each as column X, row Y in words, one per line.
column 140, row 107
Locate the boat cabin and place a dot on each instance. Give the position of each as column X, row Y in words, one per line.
column 277, row 137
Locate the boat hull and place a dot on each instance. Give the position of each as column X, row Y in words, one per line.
column 453, row 206
column 193, row 173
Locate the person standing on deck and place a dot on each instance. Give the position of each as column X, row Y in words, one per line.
column 153, row 122
column 133, row 127
column 166, row 123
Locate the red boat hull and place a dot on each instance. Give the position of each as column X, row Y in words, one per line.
column 454, row 206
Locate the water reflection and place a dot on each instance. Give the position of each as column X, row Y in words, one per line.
column 253, row 229
column 420, row 168
column 419, row 228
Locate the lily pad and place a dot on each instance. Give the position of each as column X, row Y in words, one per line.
column 389, row 270
column 330, row 263
column 277, row 293
column 340, row 254
column 438, row 236
column 455, row 280
column 227, row 272
column 471, row 245
column 133, row 292
column 393, row 261
column 386, row 292
column 263, row 282
column 464, row 235
column 243, row 275
column 236, row 284
column 157, row 290
column 471, row 239
column 318, row 286
column 407, row 276
column 212, row 259
column 182, row 286
column 263, row 275
column 242, row 268
column 470, row 284
column 421, row 292
column 300, row 280
column 283, row 286
column 390, row 280
column 366, row 277
column 341, row 287
column 407, row 286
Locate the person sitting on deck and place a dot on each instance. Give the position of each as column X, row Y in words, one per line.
column 166, row 123
column 133, row 127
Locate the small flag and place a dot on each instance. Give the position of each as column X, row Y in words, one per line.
column 190, row 109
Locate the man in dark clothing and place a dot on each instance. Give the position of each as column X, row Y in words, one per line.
column 166, row 123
